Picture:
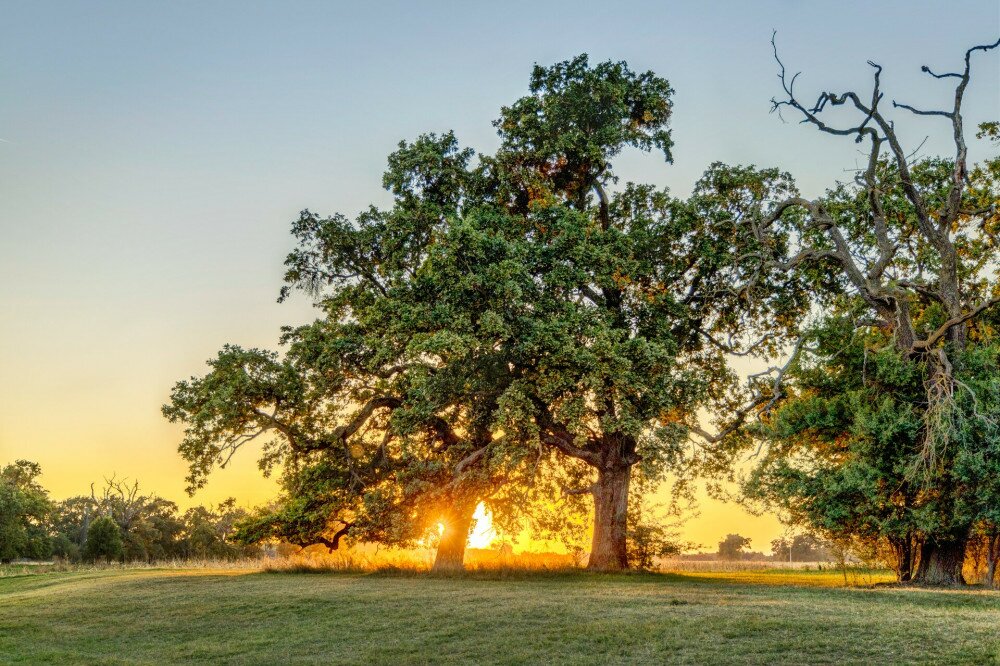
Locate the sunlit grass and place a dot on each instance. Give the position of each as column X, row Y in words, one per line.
column 249, row 564
column 811, row 574
column 238, row 615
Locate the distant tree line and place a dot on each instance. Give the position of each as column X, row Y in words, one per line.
column 734, row 547
column 799, row 548
column 121, row 523
column 803, row 548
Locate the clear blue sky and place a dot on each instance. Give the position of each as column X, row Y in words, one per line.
column 154, row 154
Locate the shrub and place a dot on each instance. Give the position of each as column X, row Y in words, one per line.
column 104, row 541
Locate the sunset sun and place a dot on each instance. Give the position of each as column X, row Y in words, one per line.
column 482, row 534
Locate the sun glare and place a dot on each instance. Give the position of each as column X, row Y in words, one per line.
column 482, row 534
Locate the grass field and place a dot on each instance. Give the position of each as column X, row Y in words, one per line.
column 162, row 616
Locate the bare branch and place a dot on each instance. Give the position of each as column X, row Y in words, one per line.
column 730, row 348
column 446, row 434
column 761, row 403
column 928, row 291
column 927, row 69
column 558, row 436
column 602, row 197
column 811, row 115
column 470, row 460
column 919, row 112
column 592, row 295
column 334, row 543
column 565, row 444
column 361, row 417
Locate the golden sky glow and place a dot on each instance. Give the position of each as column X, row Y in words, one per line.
column 107, row 420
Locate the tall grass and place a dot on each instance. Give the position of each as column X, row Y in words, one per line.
column 409, row 563
column 724, row 566
column 23, row 568
column 479, row 564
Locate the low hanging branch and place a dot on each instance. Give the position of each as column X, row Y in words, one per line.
column 333, row 543
column 942, row 330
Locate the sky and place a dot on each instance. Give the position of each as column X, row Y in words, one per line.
column 154, row 155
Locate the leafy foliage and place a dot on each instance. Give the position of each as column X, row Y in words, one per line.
column 733, row 547
column 24, row 510
column 145, row 527
column 104, row 541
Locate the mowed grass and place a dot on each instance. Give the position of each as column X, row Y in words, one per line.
column 188, row 616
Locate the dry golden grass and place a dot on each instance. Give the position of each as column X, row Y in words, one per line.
column 21, row 569
column 413, row 562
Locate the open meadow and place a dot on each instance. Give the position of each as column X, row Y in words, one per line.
column 243, row 615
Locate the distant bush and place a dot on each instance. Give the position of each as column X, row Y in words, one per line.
column 104, row 541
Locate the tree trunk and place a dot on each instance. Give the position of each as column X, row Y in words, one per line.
column 608, row 550
column 992, row 555
column 903, row 550
column 941, row 563
column 457, row 521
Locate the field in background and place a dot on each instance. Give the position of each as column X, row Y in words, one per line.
column 242, row 615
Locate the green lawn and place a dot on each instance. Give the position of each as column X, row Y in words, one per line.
column 183, row 616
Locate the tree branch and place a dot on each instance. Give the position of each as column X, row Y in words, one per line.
column 919, row 112
column 603, row 205
column 567, row 447
column 559, row 437
column 589, row 490
column 760, row 403
column 334, row 543
column 387, row 373
column 934, row 337
column 470, row 460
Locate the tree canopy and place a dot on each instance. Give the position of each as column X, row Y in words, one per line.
column 507, row 331
column 24, row 509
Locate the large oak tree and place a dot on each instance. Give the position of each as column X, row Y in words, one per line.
column 502, row 326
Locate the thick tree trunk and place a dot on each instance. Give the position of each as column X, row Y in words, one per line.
column 457, row 521
column 941, row 563
column 608, row 550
